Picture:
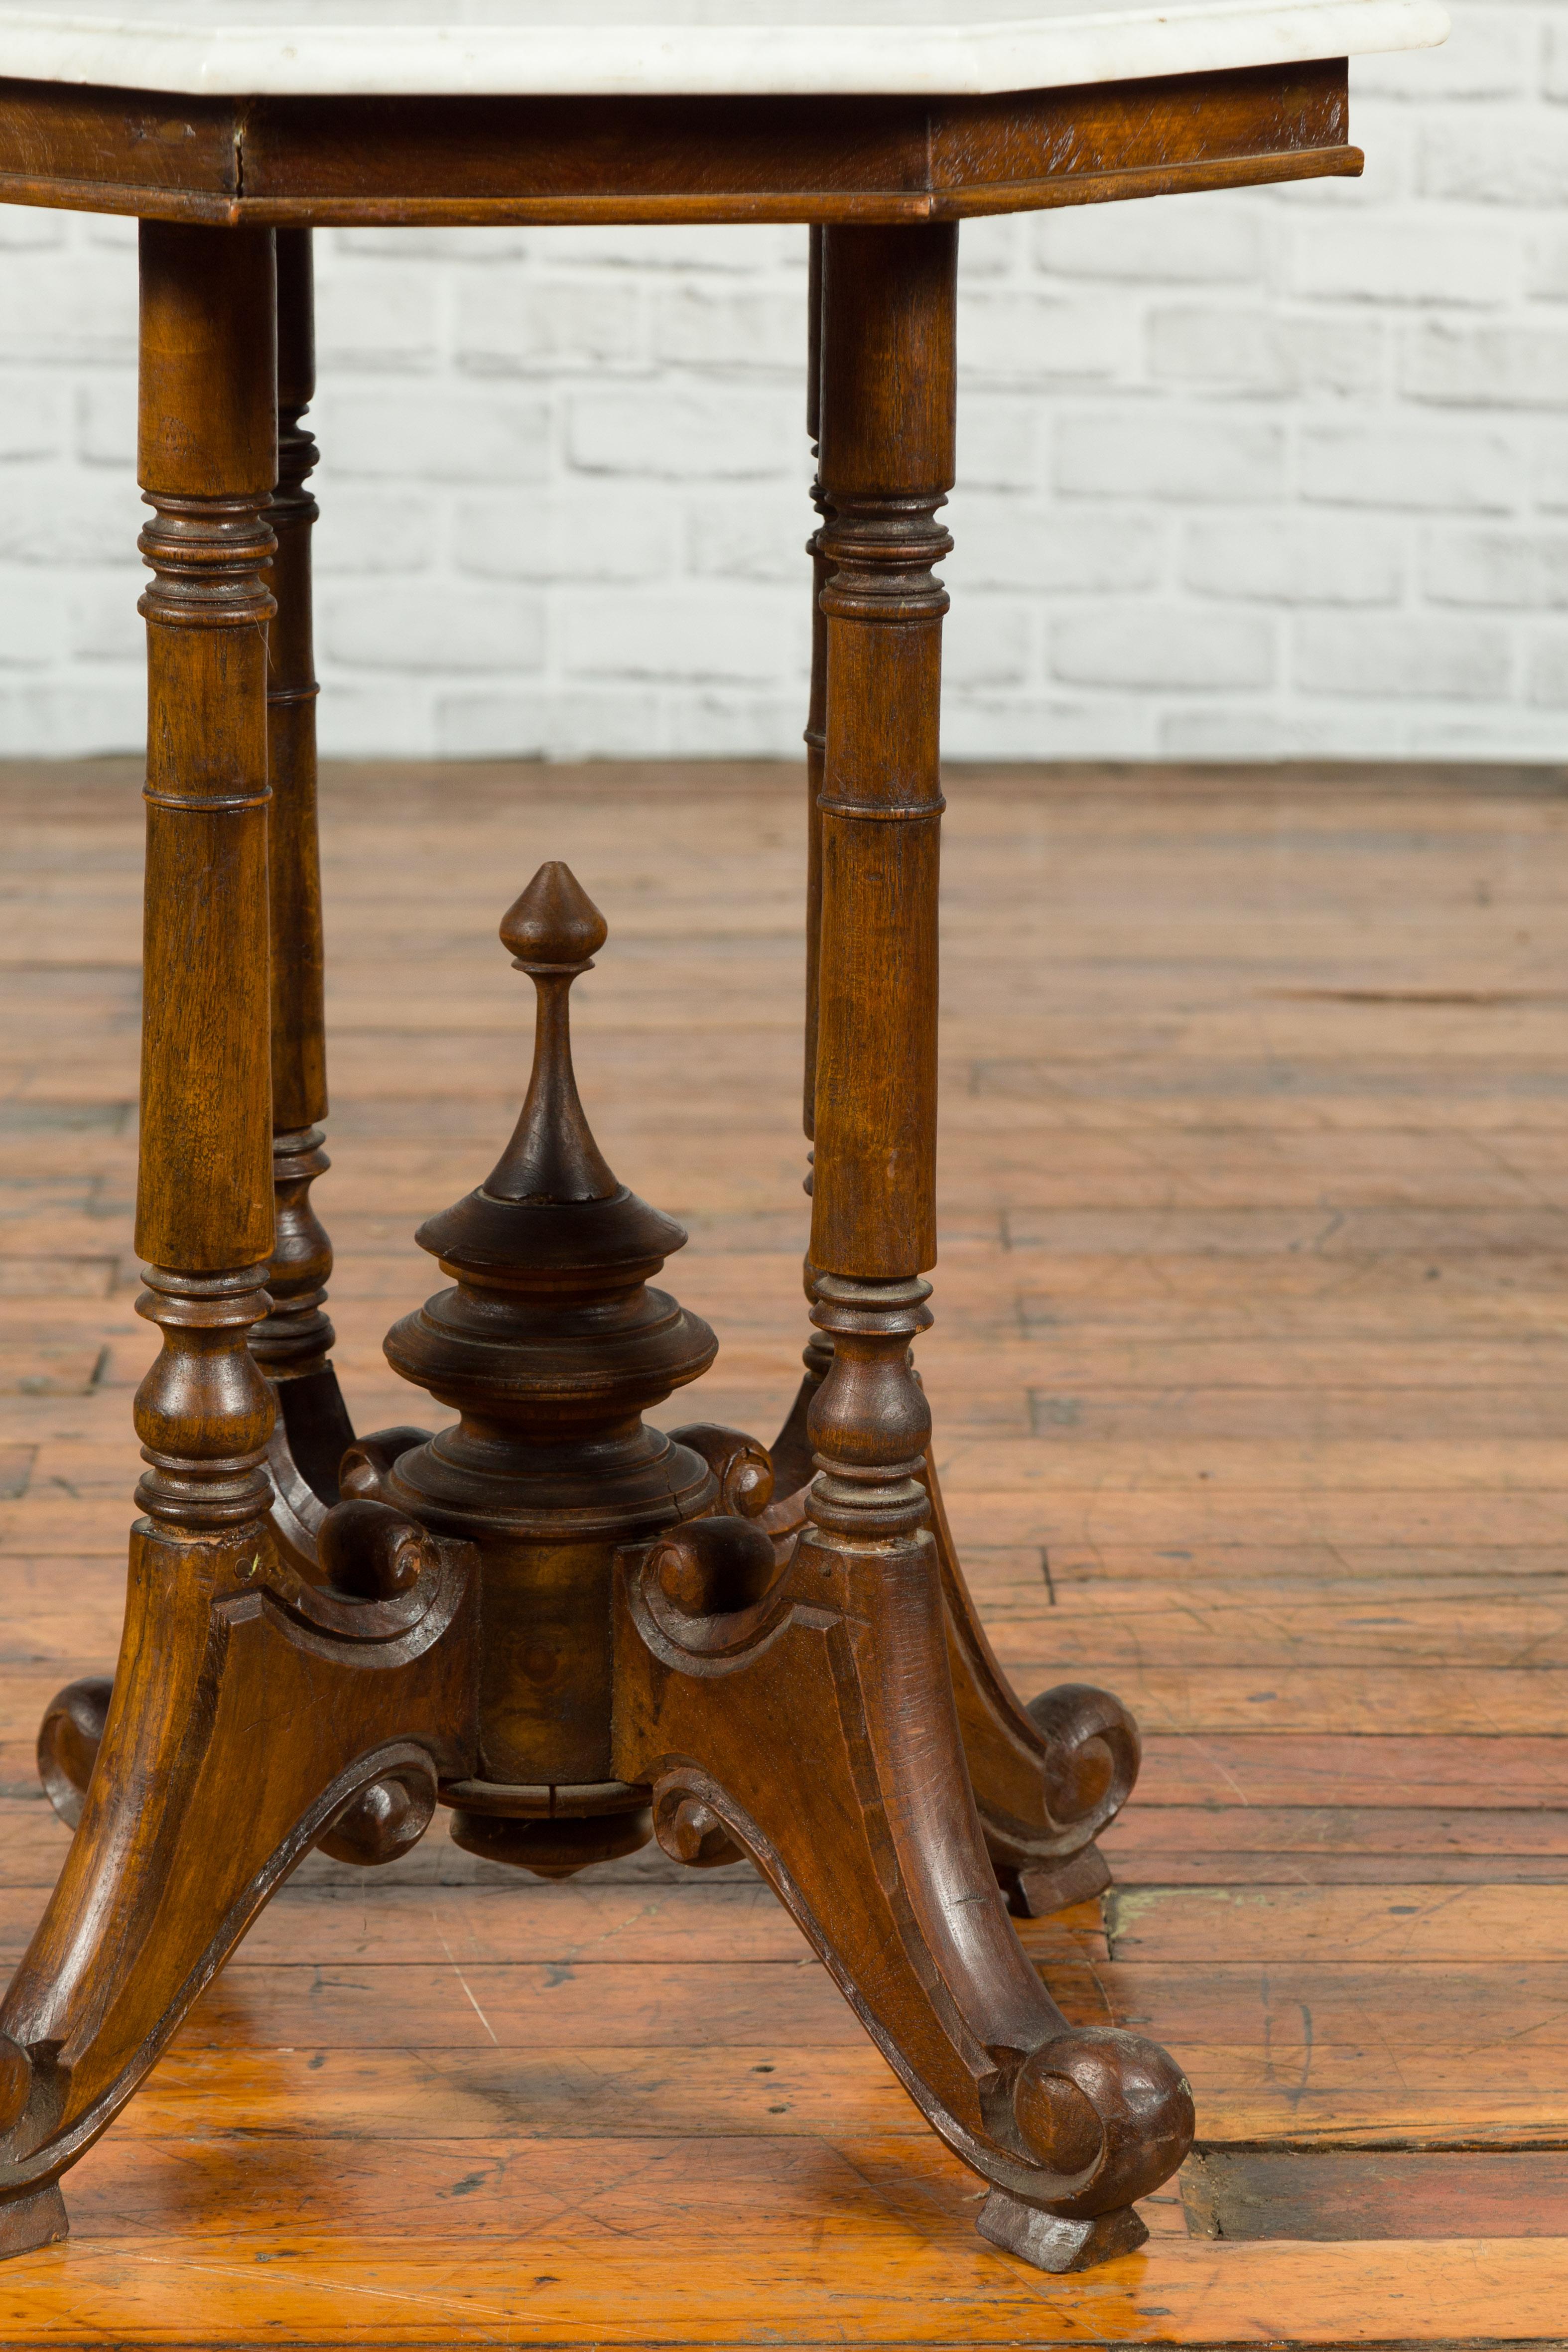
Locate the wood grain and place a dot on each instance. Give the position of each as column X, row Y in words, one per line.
column 277, row 162
column 369, row 2131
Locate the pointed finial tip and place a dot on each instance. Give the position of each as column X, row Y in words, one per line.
column 554, row 921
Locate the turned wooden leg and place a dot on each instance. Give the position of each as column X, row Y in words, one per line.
column 292, row 1340
column 790, row 1450
column 808, row 1715
column 252, row 1714
column 1049, row 1776
column 816, row 715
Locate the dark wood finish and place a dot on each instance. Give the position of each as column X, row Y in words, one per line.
column 28, row 2222
column 299, row 1023
column 886, row 463
column 301, row 161
column 1133, row 1222
column 574, row 1629
column 551, row 1346
column 1047, row 1779
column 251, row 1714
column 806, row 1717
column 208, row 458
column 181, row 1840
column 791, row 1446
column 69, row 1737
column 292, row 1340
column 807, row 1712
column 816, row 715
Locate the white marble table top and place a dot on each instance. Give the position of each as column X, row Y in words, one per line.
column 438, row 47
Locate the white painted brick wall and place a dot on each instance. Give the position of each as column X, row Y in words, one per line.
column 1283, row 471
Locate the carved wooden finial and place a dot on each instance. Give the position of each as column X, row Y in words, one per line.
column 553, row 931
column 554, row 924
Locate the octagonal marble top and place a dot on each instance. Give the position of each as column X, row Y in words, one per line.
column 382, row 48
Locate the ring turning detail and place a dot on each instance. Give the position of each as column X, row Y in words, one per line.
column 574, row 1630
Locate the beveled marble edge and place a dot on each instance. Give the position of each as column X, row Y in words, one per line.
column 305, row 60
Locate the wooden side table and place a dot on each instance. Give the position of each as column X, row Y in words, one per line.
column 575, row 1631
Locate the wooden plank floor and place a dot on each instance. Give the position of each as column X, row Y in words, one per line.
column 1249, row 1365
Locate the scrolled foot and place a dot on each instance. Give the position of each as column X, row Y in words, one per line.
column 809, row 1723
column 1092, row 1752
column 1052, row 2241
column 1128, row 2095
column 252, row 1716
column 1120, row 2110
column 68, row 1740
